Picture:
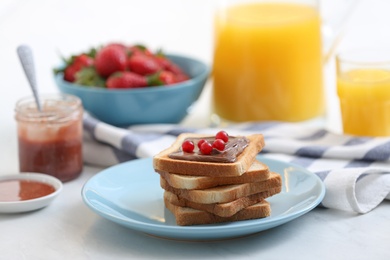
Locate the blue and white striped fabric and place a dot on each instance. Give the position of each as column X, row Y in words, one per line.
column 355, row 170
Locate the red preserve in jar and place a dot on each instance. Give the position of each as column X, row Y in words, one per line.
column 50, row 141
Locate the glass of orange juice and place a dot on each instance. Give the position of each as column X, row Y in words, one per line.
column 363, row 87
column 268, row 61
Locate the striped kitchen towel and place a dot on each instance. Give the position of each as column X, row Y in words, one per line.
column 355, row 170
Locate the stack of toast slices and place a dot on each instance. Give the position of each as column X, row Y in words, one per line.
column 201, row 192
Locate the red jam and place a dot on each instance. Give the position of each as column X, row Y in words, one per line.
column 50, row 141
column 59, row 158
column 18, row 190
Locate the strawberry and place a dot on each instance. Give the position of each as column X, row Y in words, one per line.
column 110, row 59
column 142, row 64
column 172, row 67
column 83, row 60
column 74, row 65
column 162, row 60
column 168, row 65
column 127, row 79
column 167, row 77
column 163, row 78
column 117, row 44
column 139, row 49
column 70, row 73
column 181, row 77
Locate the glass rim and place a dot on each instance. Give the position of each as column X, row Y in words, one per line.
column 24, row 108
column 364, row 57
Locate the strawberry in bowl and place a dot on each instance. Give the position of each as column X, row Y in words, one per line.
column 135, row 65
column 129, row 84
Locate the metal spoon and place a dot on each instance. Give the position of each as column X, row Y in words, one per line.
column 26, row 58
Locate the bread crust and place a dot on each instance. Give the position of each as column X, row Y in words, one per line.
column 257, row 172
column 222, row 209
column 187, row 216
column 226, row 193
column 162, row 162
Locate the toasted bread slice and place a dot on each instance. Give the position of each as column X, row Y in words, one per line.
column 162, row 161
column 257, row 172
column 187, row 216
column 226, row 193
column 222, row 209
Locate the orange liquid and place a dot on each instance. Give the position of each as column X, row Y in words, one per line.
column 365, row 101
column 268, row 63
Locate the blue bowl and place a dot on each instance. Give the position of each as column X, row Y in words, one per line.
column 124, row 107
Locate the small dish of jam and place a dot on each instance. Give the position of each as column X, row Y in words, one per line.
column 25, row 192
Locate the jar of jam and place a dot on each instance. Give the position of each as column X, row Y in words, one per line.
column 50, row 140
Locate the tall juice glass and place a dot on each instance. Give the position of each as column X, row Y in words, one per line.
column 267, row 61
column 363, row 87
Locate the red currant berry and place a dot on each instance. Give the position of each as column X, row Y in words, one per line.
column 201, row 141
column 219, row 144
column 206, row 148
column 188, row 146
column 222, row 135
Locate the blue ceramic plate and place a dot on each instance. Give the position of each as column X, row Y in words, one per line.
column 130, row 195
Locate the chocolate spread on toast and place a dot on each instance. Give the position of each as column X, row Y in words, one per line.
column 233, row 148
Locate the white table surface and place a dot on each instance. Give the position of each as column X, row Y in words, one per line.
column 67, row 229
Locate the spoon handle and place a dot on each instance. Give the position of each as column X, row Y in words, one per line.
column 27, row 60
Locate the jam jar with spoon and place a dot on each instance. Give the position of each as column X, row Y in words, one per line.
column 50, row 139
